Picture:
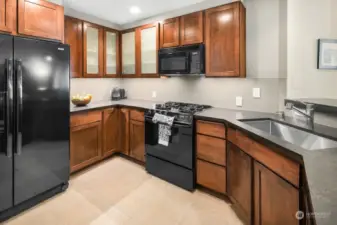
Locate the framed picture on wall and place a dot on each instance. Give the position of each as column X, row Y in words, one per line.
column 327, row 54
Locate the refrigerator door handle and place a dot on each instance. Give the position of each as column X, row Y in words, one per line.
column 9, row 104
column 18, row 107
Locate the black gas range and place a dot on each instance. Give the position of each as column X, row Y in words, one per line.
column 175, row 160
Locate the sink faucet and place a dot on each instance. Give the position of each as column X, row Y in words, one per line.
column 309, row 112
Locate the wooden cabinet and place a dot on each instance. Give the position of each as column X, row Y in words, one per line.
column 137, row 135
column 225, row 39
column 128, row 60
column 275, row 200
column 211, row 176
column 85, row 140
column 74, row 38
column 8, row 16
column 110, row 131
column 41, row 19
column 211, row 155
column 137, row 140
column 124, row 124
column 92, row 50
column 169, row 33
column 111, row 53
column 192, row 28
column 147, row 45
column 239, row 178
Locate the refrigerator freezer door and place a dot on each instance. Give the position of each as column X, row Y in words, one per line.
column 42, row 117
column 6, row 125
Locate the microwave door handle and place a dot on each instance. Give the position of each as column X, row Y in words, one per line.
column 188, row 62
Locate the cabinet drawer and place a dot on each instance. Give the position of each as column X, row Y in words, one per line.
column 211, row 129
column 211, row 176
column 239, row 139
column 211, row 149
column 137, row 115
column 85, row 118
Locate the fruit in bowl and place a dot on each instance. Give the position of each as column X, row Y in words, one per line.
column 83, row 100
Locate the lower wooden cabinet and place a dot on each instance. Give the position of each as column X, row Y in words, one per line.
column 239, row 178
column 85, row 145
column 124, row 121
column 137, row 140
column 110, row 131
column 275, row 200
column 211, row 176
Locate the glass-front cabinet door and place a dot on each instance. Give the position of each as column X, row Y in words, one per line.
column 93, row 50
column 149, row 44
column 129, row 53
column 111, row 56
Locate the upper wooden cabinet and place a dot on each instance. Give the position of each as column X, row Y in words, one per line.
column 225, row 39
column 41, row 19
column 74, row 38
column 128, row 53
column 147, row 44
column 169, row 33
column 8, row 16
column 93, row 50
column 191, row 28
column 111, row 53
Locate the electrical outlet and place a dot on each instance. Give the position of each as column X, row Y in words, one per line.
column 256, row 92
column 239, row 101
column 154, row 94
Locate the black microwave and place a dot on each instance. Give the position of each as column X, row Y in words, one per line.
column 182, row 60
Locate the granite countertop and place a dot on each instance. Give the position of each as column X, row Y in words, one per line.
column 142, row 104
column 320, row 166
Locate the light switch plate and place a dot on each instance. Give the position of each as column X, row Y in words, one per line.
column 154, row 94
column 239, row 101
column 256, row 92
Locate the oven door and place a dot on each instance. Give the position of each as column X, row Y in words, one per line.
column 174, row 63
column 180, row 148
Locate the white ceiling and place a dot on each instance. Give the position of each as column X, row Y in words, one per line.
column 117, row 11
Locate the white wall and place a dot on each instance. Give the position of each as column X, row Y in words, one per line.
column 309, row 20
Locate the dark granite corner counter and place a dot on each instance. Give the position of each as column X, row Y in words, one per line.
column 320, row 166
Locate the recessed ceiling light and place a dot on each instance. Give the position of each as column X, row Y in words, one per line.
column 135, row 10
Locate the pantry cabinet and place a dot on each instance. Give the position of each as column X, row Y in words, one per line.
column 110, row 131
column 191, row 28
column 169, row 33
column 147, row 40
column 111, row 53
column 225, row 40
column 74, row 38
column 128, row 60
column 92, row 50
column 41, row 18
column 8, row 16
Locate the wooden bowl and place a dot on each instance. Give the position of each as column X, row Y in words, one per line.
column 83, row 102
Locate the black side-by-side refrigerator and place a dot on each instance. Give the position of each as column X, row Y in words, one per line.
column 34, row 119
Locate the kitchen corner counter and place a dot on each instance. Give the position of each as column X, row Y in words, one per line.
column 142, row 104
column 320, row 166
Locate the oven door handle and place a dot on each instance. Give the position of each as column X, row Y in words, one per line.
column 173, row 125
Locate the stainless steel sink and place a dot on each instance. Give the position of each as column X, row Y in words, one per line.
column 291, row 134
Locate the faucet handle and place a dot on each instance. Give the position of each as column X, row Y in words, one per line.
column 289, row 105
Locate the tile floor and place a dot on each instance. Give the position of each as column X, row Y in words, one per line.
column 120, row 192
